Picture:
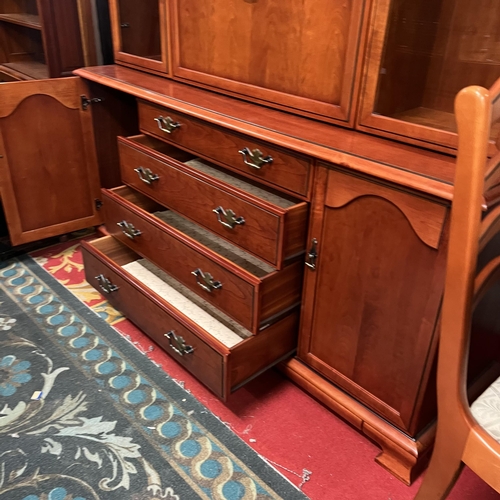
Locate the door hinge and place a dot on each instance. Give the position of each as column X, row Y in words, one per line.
column 86, row 102
column 312, row 255
column 98, row 203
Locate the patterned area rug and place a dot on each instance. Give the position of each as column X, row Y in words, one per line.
column 85, row 416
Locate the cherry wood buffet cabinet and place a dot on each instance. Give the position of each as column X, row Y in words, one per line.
column 287, row 167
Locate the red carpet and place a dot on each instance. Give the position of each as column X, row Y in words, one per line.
column 281, row 422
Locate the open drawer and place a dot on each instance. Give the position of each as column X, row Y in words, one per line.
column 222, row 355
column 270, row 226
column 247, row 289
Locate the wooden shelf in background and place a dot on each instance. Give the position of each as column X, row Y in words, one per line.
column 27, row 20
column 434, row 118
column 429, row 117
column 31, row 69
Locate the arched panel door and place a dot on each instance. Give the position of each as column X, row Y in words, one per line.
column 377, row 290
column 48, row 168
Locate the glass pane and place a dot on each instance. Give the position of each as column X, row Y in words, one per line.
column 140, row 28
column 433, row 49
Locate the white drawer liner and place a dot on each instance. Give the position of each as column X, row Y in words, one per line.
column 203, row 319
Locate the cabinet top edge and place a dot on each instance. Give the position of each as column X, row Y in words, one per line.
column 403, row 164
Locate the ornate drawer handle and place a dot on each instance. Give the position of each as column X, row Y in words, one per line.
column 128, row 229
column 105, row 284
column 178, row 344
column 146, row 175
column 166, row 124
column 125, row 25
column 256, row 158
column 228, row 217
column 312, row 255
column 206, row 281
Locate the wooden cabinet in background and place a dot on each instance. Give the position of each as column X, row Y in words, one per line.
column 140, row 33
column 42, row 38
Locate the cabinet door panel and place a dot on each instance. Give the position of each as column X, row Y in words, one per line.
column 297, row 53
column 48, row 173
column 377, row 295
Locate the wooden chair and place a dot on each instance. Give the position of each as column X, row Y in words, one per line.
column 468, row 435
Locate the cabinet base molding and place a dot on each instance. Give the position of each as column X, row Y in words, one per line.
column 403, row 456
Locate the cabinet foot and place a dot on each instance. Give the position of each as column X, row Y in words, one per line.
column 406, row 459
column 403, row 456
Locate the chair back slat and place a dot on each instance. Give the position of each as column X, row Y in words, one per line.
column 492, row 175
column 495, row 102
column 495, row 111
column 487, row 277
column 490, row 226
column 492, row 197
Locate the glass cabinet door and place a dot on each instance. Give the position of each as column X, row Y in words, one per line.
column 139, row 33
column 423, row 52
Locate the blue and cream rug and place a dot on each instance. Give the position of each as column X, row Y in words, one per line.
column 85, row 416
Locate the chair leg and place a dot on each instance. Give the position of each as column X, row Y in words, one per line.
column 444, row 468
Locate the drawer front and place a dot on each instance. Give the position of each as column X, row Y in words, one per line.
column 262, row 231
column 236, row 297
column 141, row 308
column 273, row 166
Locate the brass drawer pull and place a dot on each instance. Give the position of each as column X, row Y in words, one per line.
column 166, row 124
column 146, row 175
column 178, row 344
column 128, row 229
column 255, row 158
column 206, row 281
column 228, row 217
column 105, row 284
column 312, row 255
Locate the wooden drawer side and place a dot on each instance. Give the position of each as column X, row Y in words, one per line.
column 281, row 293
column 260, row 353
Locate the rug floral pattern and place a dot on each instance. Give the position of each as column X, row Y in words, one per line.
column 100, row 429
